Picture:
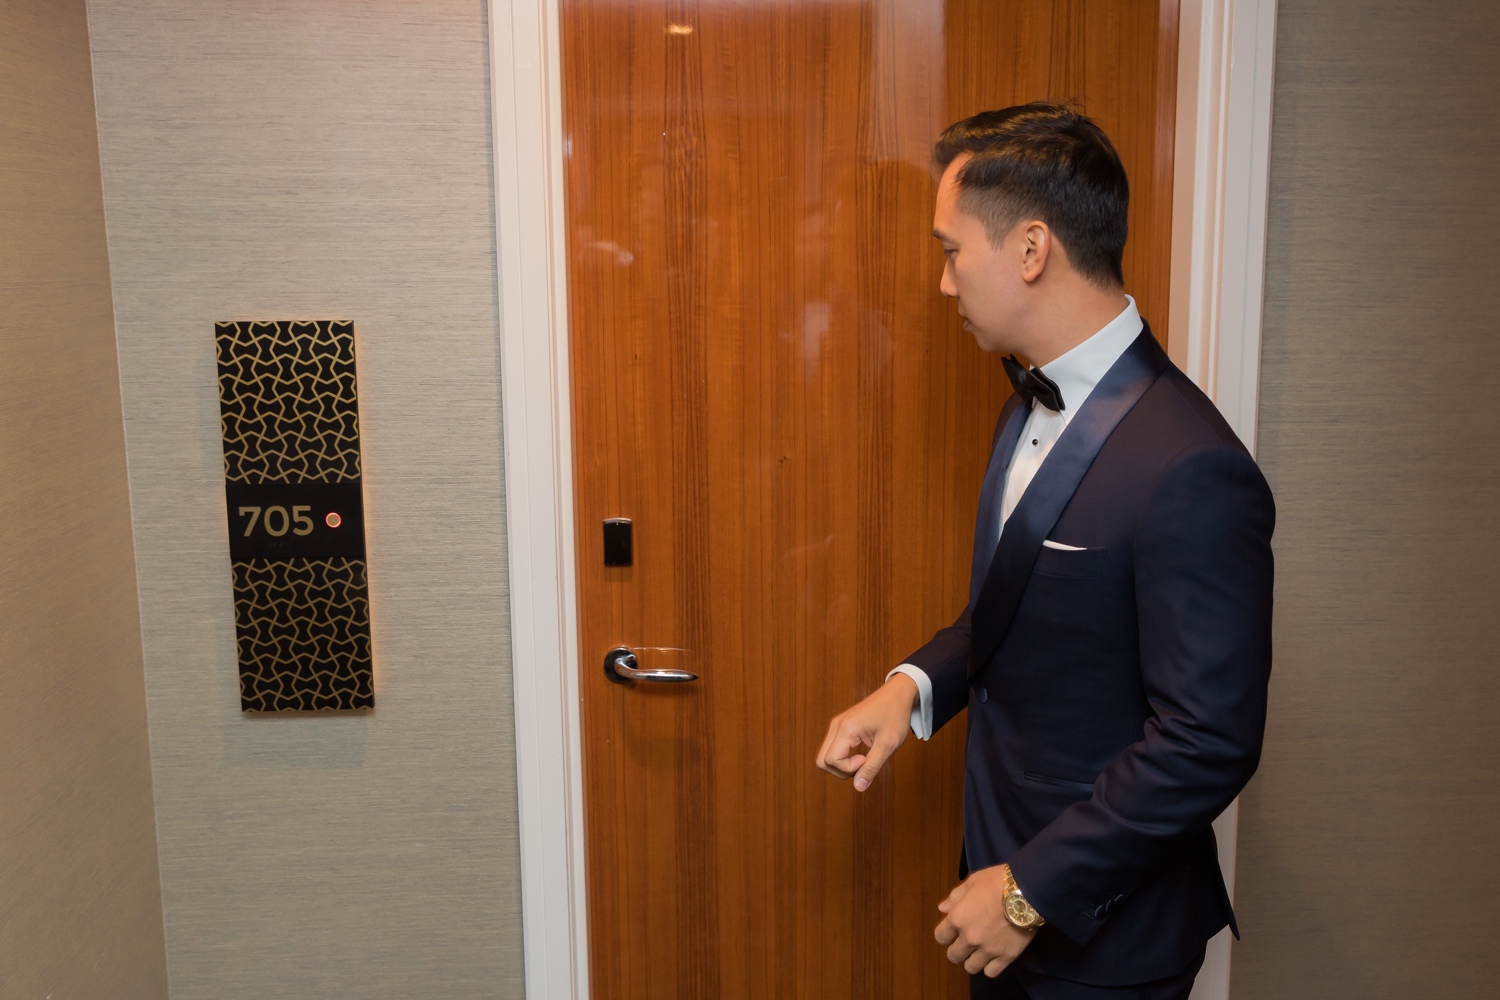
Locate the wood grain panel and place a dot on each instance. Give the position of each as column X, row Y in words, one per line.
column 768, row 383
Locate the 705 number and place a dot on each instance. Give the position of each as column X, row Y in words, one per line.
column 283, row 520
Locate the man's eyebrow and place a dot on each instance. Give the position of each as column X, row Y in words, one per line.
column 938, row 233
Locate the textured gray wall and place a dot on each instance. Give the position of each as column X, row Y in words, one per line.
column 80, row 901
column 320, row 160
column 1369, row 865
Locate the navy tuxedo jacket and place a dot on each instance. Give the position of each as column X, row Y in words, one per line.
column 1117, row 695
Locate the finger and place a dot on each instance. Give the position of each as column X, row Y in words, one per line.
column 833, row 728
column 837, row 757
column 959, row 892
column 844, row 767
column 945, row 933
column 977, row 961
column 874, row 761
column 959, row 951
column 995, row 968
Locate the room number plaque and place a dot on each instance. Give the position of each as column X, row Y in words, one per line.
column 289, row 410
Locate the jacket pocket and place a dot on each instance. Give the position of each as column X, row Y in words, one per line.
column 1086, row 788
column 1070, row 562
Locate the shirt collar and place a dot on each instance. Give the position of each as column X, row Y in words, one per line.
column 1077, row 372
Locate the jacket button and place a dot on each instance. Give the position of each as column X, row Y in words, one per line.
column 984, row 695
column 1097, row 913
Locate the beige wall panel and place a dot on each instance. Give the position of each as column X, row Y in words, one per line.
column 270, row 160
column 1368, row 857
column 80, row 900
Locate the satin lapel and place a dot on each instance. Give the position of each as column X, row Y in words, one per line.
column 987, row 523
column 994, row 607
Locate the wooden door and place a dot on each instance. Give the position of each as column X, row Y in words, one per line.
column 768, row 384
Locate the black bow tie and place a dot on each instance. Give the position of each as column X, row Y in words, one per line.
column 1031, row 384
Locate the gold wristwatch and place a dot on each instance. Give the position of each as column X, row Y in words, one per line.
column 1019, row 912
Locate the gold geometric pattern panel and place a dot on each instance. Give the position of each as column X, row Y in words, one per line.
column 288, row 402
column 289, row 412
column 303, row 627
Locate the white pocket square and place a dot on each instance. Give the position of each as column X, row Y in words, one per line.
column 1059, row 546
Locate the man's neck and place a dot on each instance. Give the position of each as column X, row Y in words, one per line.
column 1071, row 320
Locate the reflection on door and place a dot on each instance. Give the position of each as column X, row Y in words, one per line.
column 767, row 383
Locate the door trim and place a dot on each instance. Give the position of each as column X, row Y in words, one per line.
column 1226, row 62
column 1226, row 59
column 531, row 268
column 1225, row 74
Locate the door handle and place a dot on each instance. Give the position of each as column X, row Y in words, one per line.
column 621, row 666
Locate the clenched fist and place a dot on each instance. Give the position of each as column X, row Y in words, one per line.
column 974, row 928
column 880, row 722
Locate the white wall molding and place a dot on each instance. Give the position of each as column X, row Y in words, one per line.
column 526, row 102
column 1225, row 74
column 1226, row 65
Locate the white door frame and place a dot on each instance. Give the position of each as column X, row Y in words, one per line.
column 1226, row 60
column 1225, row 73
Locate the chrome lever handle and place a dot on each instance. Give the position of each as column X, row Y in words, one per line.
column 621, row 666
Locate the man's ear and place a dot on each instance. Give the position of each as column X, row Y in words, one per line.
column 1036, row 247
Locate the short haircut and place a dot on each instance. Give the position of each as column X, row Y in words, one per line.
column 1047, row 162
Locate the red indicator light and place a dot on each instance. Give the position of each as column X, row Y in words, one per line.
column 333, row 520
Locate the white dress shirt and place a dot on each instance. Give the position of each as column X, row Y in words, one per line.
column 1076, row 373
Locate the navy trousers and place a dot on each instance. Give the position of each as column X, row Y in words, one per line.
column 1019, row 984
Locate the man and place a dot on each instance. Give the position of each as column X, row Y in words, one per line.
column 1115, row 651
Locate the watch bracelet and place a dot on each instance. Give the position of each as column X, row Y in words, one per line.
column 1009, row 889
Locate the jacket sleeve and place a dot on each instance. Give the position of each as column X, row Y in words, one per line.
column 1203, row 575
column 945, row 661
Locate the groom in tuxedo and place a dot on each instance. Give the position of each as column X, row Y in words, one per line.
column 1116, row 646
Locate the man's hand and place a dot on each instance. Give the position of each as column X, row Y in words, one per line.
column 880, row 722
column 975, row 929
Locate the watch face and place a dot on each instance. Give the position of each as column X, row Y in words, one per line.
column 1019, row 912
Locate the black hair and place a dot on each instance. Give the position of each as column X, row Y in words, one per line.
column 1044, row 161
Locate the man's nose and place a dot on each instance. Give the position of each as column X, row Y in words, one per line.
column 947, row 285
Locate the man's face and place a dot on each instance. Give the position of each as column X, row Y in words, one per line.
column 984, row 278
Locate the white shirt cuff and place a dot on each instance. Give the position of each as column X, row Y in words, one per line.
column 921, row 714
